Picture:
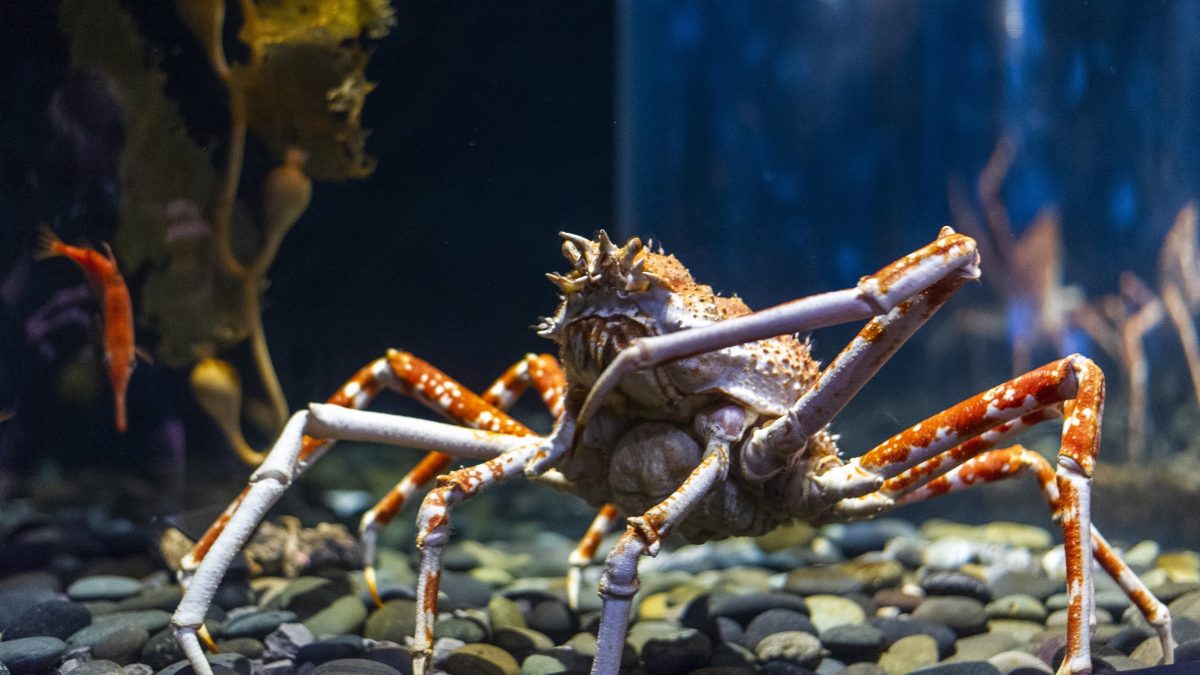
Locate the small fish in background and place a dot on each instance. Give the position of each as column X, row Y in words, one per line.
column 117, row 310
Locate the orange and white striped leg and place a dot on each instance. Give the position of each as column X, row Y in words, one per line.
column 439, row 392
column 1009, row 462
column 585, row 551
column 433, row 532
column 1074, row 382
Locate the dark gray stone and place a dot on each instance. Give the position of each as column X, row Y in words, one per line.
column 459, row 628
column 464, row 590
column 256, row 625
column 965, row 616
column 956, row 583
column 354, row 667
column 31, row 654
column 775, row 621
column 853, row 640
column 56, row 618
column 553, row 618
column 743, row 608
column 678, row 652
column 122, row 645
column 101, row 667
column 959, row 668
column 161, row 650
column 332, row 649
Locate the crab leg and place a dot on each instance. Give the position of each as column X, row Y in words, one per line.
column 582, row 556
column 948, row 256
column 438, row 391
column 769, row 449
column 994, row 465
column 283, row 464
column 433, row 524
column 645, row 534
column 1076, row 383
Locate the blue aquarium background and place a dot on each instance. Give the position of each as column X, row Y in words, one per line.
column 778, row 149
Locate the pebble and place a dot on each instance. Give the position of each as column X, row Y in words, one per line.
column 744, row 607
column 904, row 599
column 504, row 613
column 460, row 628
column 308, row 595
column 248, row 647
column 1020, row 606
column 827, row 611
column 55, row 618
column 1013, row 582
column 983, row 646
column 480, row 659
column 463, row 590
column 959, row 668
column 855, row 641
column 908, row 654
column 256, row 624
column 552, row 617
column 956, row 583
column 285, row 642
column 103, row 587
column 354, row 667
column 1008, row 661
column 792, row 647
column 676, row 651
column 122, row 645
column 822, row 579
column 331, row 649
column 395, row 621
column 521, row 642
column 965, row 616
column 895, row 629
column 31, row 654
column 775, row 621
column 864, row 536
column 101, row 667
column 344, row 615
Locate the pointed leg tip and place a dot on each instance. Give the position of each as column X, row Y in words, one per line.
column 372, row 585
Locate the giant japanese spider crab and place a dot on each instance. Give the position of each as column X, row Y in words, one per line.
column 697, row 415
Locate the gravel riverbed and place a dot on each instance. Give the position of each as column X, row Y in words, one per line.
column 883, row 596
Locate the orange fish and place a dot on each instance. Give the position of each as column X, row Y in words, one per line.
column 117, row 310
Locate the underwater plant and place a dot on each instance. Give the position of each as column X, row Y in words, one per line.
column 293, row 81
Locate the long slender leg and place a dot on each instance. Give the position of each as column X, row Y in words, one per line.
column 284, row 463
column 644, row 534
column 438, row 391
column 769, row 449
column 950, row 255
column 1009, row 462
column 582, row 556
column 1077, row 384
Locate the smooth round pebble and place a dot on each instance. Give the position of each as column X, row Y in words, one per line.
column 31, row 654
column 101, row 667
column 965, row 616
column 1019, row 606
column 908, row 654
column 793, row 647
column 744, row 607
column 331, row 649
column 956, row 583
column 256, row 624
column 103, row 587
column 344, row 615
column 853, row 640
column 553, row 618
column 959, row 668
column 459, row 628
column 521, row 642
column 827, row 611
column 821, row 579
column 480, row 659
column 676, row 651
column 1011, row 660
column 983, row 646
column 775, row 621
column 395, row 621
column 56, row 618
column 354, row 667
column 122, row 645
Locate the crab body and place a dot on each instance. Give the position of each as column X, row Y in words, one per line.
column 643, row 444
